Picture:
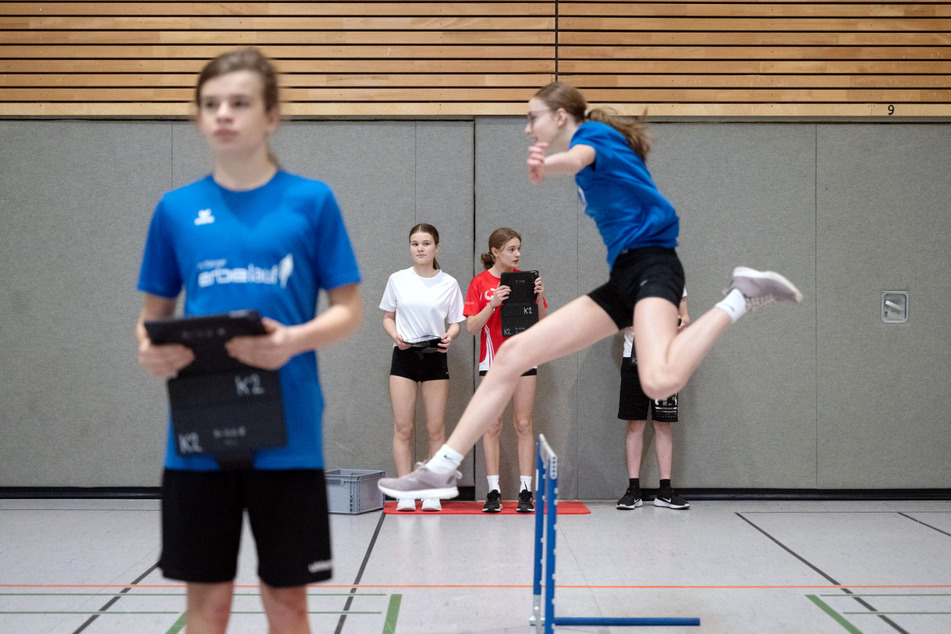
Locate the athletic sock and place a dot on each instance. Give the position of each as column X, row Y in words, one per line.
column 734, row 304
column 526, row 483
column 665, row 485
column 446, row 459
column 493, row 483
column 634, row 482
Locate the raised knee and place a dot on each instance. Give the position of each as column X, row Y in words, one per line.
column 658, row 386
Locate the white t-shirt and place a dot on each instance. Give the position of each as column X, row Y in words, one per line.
column 423, row 305
column 629, row 337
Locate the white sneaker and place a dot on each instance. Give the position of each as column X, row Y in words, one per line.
column 406, row 504
column 431, row 504
column 763, row 288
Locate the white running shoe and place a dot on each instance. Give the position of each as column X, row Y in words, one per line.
column 422, row 483
column 763, row 288
column 432, row 505
column 407, row 505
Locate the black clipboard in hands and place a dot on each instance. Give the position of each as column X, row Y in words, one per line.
column 221, row 407
column 519, row 311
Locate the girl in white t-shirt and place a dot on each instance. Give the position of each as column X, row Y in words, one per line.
column 417, row 305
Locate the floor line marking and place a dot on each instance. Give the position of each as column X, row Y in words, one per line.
column 915, row 519
column 841, row 620
column 115, row 598
column 905, row 613
column 363, row 566
column 822, row 573
column 178, row 625
column 392, row 613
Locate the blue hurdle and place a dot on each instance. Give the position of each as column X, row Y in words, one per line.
column 546, row 518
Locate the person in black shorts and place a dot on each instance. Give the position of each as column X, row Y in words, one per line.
column 249, row 236
column 422, row 311
column 634, row 407
column 606, row 154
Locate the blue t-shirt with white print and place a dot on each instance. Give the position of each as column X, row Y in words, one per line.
column 618, row 192
column 270, row 249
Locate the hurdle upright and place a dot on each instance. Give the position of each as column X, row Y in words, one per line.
column 546, row 518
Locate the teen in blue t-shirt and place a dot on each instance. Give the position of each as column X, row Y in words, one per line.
column 250, row 236
column 606, row 156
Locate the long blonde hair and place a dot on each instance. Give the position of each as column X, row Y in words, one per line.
column 560, row 95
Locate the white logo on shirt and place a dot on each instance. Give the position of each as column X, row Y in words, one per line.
column 204, row 217
column 217, row 273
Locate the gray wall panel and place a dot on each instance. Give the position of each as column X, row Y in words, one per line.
column 821, row 396
column 884, row 224
column 75, row 202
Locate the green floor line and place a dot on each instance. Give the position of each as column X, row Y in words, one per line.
column 822, row 605
column 392, row 612
column 884, row 613
column 178, row 626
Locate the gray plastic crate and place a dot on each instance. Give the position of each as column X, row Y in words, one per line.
column 353, row 491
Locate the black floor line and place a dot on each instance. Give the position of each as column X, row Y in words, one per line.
column 356, row 582
column 114, row 599
column 934, row 528
column 818, row 571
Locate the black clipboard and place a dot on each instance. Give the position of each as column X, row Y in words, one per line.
column 221, row 407
column 519, row 311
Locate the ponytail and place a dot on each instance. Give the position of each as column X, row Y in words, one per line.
column 558, row 95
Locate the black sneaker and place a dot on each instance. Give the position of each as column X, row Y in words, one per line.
column 526, row 502
column 630, row 500
column 493, row 502
column 669, row 499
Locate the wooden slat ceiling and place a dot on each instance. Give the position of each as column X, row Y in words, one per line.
column 410, row 59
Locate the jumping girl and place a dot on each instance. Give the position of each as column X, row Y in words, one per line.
column 605, row 154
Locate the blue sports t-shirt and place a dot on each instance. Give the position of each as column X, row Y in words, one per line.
column 618, row 192
column 270, row 249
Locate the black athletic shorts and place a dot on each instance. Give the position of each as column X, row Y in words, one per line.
column 418, row 366
column 532, row 372
column 633, row 404
column 636, row 274
column 202, row 513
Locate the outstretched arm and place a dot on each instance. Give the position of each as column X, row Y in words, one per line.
column 567, row 163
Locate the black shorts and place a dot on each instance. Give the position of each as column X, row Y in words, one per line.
column 636, row 274
column 532, row 372
column 633, row 404
column 419, row 366
column 202, row 513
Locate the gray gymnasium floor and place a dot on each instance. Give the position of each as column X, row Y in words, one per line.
column 88, row 566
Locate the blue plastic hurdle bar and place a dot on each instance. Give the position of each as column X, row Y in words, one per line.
column 546, row 518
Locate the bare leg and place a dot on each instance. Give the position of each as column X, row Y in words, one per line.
column 403, row 397
column 435, row 397
column 664, row 446
column 523, row 400
column 208, row 607
column 634, row 442
column 490, row 447
column 286, row 609
column 666, row 358
column 578, row 325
